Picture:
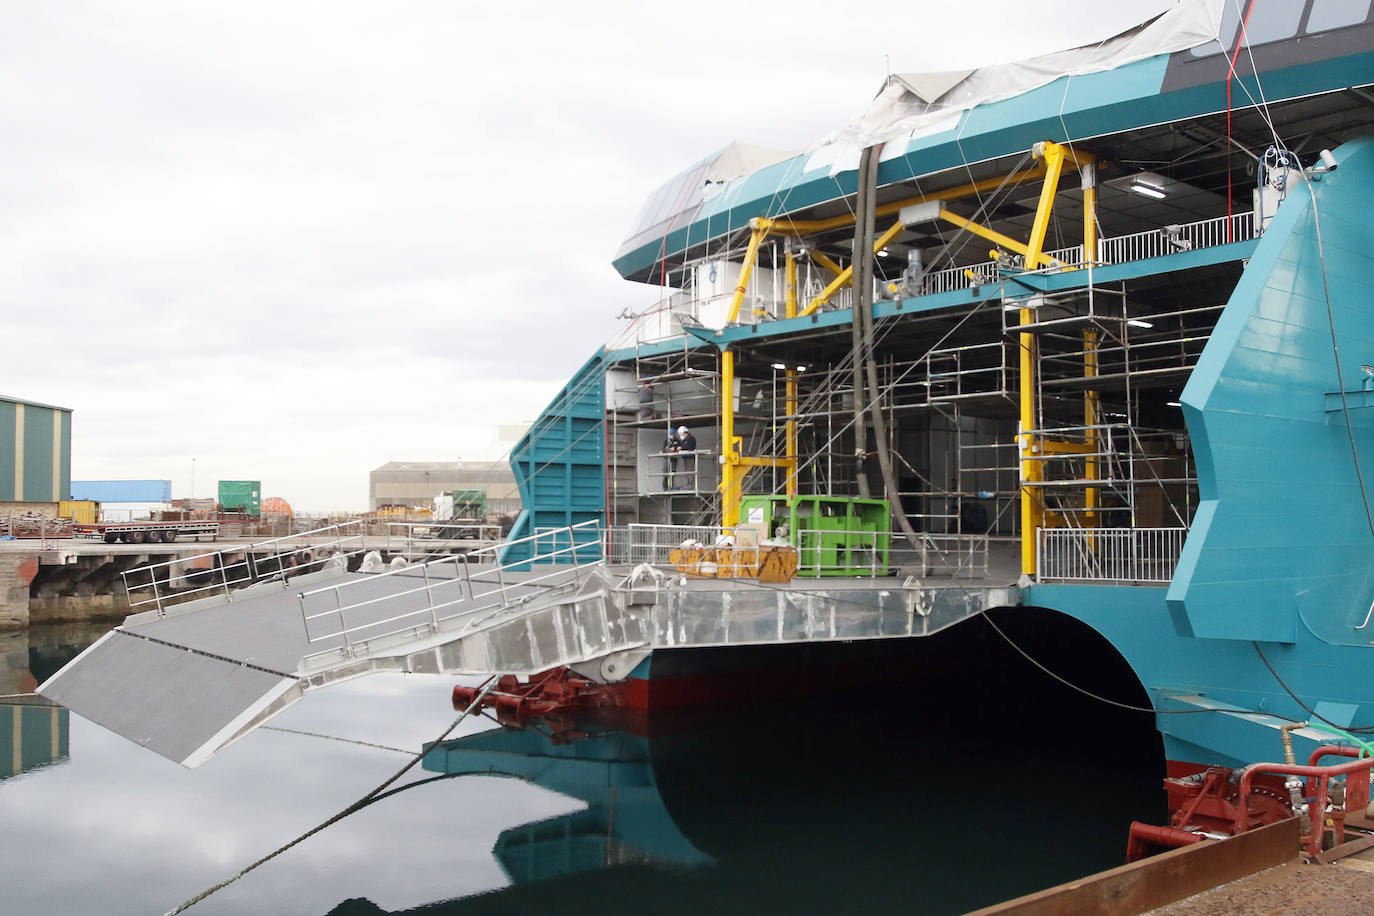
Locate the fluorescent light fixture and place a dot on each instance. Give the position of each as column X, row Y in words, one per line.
column 1138, row 323
column 1148, row 190
column 883, row 252
column 779, row 366
column 801, row 368
column 1173, row 404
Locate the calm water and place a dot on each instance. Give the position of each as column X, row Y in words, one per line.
column 935, row 799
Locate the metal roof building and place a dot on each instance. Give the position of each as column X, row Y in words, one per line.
column 415, row 483
column 35, row 451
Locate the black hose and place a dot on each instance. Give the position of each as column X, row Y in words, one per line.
column 863, row 320
column 860, row 274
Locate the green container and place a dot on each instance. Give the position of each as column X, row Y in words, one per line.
column 469, row 503
column 244, row 495
column 834, row 535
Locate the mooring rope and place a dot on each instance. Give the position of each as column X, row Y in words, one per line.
column 358, row 805
column 296, row 731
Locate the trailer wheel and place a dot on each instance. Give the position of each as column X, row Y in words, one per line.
column 111, row 538
column 127, row 537
column 144, row 537
column 167, row 536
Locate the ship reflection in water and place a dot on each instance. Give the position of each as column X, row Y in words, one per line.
column 625, row 821
column 932, row 803
column 931, row 796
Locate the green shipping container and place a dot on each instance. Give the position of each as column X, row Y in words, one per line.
column 241, row 494
column 834, row 535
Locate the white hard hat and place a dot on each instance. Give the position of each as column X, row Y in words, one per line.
column 682, row 430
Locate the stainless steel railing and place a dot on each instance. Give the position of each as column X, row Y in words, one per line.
column 160, row 585
column 1143, row 555
column 1156, row 243
column 445, row 593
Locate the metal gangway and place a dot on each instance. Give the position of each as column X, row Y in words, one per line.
column 199, row 665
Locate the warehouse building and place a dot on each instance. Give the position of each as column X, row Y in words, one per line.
column 416, row 483
column 35, row 452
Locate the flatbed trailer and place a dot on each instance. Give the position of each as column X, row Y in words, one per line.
column 146, row 532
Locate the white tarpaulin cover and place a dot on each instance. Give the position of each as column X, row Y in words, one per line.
column 740, row 159
column 917, row 104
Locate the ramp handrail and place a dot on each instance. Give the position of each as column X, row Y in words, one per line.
column 251, row 568
column 444, row 583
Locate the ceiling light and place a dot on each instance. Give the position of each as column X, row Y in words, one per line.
column 1138, row 323
column 1148, row 190
column 779, row 366
column 882, row 252
column 1173, row 404
column 801, row 368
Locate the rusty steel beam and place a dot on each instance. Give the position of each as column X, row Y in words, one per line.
column 1162, row 879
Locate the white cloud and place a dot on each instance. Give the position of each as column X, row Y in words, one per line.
column 296, row 240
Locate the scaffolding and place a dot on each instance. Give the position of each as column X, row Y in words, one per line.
column 1020, row 392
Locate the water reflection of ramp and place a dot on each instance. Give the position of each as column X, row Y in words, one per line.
column 625, row 821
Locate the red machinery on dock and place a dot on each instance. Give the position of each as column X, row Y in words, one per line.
column 1220, row 802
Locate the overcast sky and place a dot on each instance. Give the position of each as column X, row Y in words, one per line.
column 293, row 241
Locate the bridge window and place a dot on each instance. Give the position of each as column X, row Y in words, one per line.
column 1334, row 14
column 1268, row 22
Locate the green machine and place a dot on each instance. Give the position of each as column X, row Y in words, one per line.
column 834, row 535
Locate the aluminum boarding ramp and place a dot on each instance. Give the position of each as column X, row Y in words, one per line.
column 222, row 647
column 186, row 678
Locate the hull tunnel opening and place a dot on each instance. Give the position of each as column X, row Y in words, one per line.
column 893, row 764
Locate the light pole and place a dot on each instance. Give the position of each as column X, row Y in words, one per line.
column 193, row 478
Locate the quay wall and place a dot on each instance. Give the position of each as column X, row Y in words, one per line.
column 17, row 572
column 84, row 581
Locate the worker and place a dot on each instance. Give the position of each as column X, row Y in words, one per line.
column 646, row 402
column 687, row 445
column 671, row 446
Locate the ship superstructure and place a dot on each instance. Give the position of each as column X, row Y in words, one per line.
column 1092, row 324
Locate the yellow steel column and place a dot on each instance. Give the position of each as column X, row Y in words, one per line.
column 821, row 259
column 731, row 470
column 759, row 229
column 1032, row 500
column 1088, row 173
column 790, row 304
column 846, row 276
column 1032, row 454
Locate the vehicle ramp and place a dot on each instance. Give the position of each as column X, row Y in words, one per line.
column 187, row 679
